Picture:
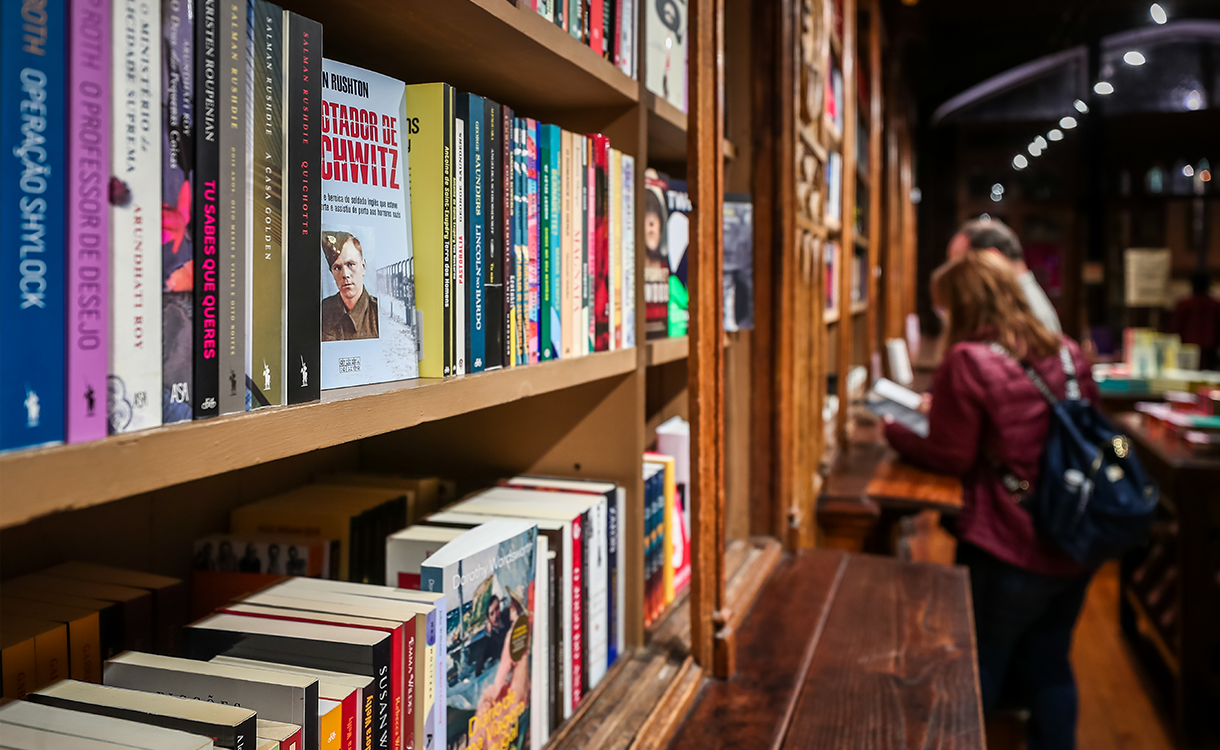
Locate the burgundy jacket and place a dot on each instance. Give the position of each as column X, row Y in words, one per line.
column 986, row 412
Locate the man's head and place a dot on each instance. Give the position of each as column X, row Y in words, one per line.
column 346, row 259
column 986, row 234
column 493, row 612
column 1200, row 283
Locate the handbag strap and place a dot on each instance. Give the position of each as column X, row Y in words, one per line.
column 1071, row 386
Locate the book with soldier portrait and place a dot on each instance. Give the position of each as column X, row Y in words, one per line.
column 369, row 322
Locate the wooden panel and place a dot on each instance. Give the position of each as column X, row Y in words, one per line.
column 875, row 135
column 737, row 389
column 848, row 234
column 660, row 351
column 775, row 646
column 895, row 667
column 897, row 483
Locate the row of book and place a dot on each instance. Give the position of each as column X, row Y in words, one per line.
column 239, row 309
column 608, row 27
column 666, row 519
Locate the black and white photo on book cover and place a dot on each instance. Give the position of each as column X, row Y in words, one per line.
column 369, row 321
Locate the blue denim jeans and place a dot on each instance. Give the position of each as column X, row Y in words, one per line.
column 1024, row 624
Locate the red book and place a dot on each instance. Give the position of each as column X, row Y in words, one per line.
column 601, row 244
column 597, row 26
column 578, row 614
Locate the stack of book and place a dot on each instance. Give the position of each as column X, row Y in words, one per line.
column 327, row 226
column 666, row 518
column 608, row 27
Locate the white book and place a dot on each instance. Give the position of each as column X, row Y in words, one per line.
column 233, row 227
column 406, row 550
column 459, row 256
column 665, row 45
column 62, row 721
column 25, row 738
column 540, row 717
column 614, row 263
column 628, row 287
column 626, row 35
column 280, row 735
column 134, row 383
column 278, row 697
column 574, row 264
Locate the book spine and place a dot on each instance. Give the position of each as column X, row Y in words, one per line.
column 520, row 240
column 601, row 263
column 561, row 13
column 575, row 18
column 204, row 212
column 233, row 209
column 576, row 656
column 628, row 233
column 586, row 32
column 614, row 277
column 534, row 249
column 564, row 248
column 506, row 226
column 573, row 267
column 266, row 220
column 554, row 311
column 460, row 302
column 626, row 36
column 447, row 224
column 589, row 236
column 477, row 236
column 493, row 290
column 302, row 238
column 612, row 525
column 597, row 28
column 545, row 178
column 512, row 234
column 554, row 637
column 401, row 674
column 587, row 552
column 135, row 215
column 88, row 239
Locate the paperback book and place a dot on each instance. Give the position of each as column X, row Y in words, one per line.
column 656, row 258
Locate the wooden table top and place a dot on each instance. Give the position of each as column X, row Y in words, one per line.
column 848, row 651
column 1164, row 444
column 868, row 470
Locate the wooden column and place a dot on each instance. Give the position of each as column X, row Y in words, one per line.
column 711, row 641
column 848, row 236
column 874, row 178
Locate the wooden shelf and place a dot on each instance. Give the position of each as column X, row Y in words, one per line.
column 46, row 480
column 830, row 316
column 730, row 151
column 858, row 308
column 661, row 351
column 666, row 131
column 490, row 47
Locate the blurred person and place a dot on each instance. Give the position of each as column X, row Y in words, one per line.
column 993, row 234
column 988, row 418
column 1197, row 319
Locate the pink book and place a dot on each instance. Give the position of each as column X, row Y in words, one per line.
column 88, row 217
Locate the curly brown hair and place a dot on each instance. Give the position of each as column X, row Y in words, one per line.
column 984, row 300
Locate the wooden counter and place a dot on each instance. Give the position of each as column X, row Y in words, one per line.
column 848, row 651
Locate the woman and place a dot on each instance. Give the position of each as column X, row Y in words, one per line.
column 985, row 414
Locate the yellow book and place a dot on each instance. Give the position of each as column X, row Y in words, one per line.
column 430, row 493
column 429, row 131
column 18, row 664
column 316, row 510
column 671, row 487
column 330, row 721
column 50, row 646
column 84, row 633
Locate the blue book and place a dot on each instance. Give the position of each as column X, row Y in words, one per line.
column 546, row 250
column 33, row 371
column 470, row 110
column 554, row 270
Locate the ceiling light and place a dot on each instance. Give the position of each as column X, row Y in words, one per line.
column 1134, row 58
column 1067, row 123
column 997, row 197
column 997, row 188
column 1081, row 107
column 1055, row 135
column 1034, row 149
column 1105, row 88
column 1193, row 100
column 1188, row 171
column 1020, row 162
column 1042, row 144
column 1158, row 13
column 1205, row 175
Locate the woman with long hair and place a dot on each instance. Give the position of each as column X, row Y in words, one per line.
column 988, row 419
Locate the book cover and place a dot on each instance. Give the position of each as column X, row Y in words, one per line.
column 677, row 240
column 575, row 17
column 533, row 249
column 575, row 262
column 267, row 370
column 591, row 248
column 280, row 555
column 626, row 37
column 520, row 237
column 614, row 224
column 552, row 311
column 205, row 208
column 565, row 245
column 628, row 242
column 428, row 143
column 458, row 285
column 177, row 192
column 101, row 728
column 597, row 26
column 274, row 696
column 600, row 260
column 471, row 111
column 447, row 155
column 135, row 378
column 656, row 258
column 88, row 227
column 493, row 266
column 281, row 735
column 232, row 229
column 302, row 207
column 738, row 263
column 511, row 260
column 368, row 287
column 487, row 576
column 507, row 237
column 665, row 45
column 229, row 727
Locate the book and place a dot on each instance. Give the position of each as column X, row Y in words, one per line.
column 555, row 228
column 614, row 276
column 591, row 246
column 677, row 240
column 656, row 258
column 63, row 721
column 330, row 725
column 628, row 250
column 285, row 736
column 457, row 283
column 84, row 633
column 278, row 555
column 168, row 596
column 232, row 226
column 229, row 726
column 88, row 225
column 513, row 304
column 564, row 247
column 428, row 139
column 267, row 370
column 354, row 650
column 487, row 575
column 133, row 606
column 575, row 18
column 625, row 57
column 367, row 295
column 654, row 495
column 33, row 112
column 493, row 250
column 50, row 645
column 424, row 494
column 533, row 246
column 738, row 263
column 274, row 696
column 665, row 48
column 471, row 110
column 545, row 251
column 889, row 399
column 578, row 330
column 407, row 549
column 205, row 213
column 303, row 50
column 540, row 705
column 109, row 616
column 673, row 549
column 18, row 664
column 18, row 737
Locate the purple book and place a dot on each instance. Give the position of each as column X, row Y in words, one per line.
column 88, row 217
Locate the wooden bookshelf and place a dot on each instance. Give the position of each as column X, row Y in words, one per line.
column 662, row 351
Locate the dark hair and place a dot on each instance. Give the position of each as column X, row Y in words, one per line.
column 1201, row 282
column 987, row 233
column 653, row 204
column 333, row 242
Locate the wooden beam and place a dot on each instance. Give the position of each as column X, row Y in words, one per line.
column 875, row 122
column 705, row 159
column 848, row 236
